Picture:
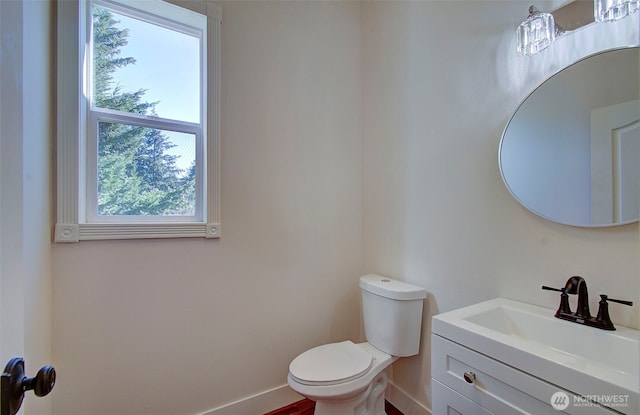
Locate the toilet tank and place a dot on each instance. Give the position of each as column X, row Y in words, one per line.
column 392, row 314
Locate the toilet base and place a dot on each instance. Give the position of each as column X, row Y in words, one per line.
column 369, row 402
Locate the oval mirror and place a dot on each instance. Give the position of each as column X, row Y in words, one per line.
column 571, row 151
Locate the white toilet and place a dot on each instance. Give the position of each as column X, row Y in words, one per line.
column 350, row 379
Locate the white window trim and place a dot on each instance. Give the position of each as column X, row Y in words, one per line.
column 71, row 224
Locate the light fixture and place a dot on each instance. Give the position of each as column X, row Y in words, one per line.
column 540, row 29
column 610, row 10
column 537, row 32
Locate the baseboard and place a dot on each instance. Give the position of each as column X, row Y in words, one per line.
column 259, row 403
column 283, row 395
column 405, row 403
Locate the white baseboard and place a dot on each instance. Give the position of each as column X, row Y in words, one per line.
column 405, row 403
column 259, row 403
column 283, row 395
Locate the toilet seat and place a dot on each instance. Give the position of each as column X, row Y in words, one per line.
column 331, row 364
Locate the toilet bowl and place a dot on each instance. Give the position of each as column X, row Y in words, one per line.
column 337, row 370
column 346, row 378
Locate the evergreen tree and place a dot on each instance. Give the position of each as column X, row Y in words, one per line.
column 136, row 174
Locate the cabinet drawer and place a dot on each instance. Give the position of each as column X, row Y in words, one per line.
column 448, row 402
column 499, row 388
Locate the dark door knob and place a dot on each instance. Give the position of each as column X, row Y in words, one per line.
column 15, row 383
column 42, row 384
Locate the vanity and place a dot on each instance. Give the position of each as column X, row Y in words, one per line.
column 506, row 357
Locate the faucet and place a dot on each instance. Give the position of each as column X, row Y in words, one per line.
column 577, row 285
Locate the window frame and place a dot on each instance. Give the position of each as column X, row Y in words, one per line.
column 76, row 212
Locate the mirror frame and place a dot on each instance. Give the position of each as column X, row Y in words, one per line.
column 502, row 139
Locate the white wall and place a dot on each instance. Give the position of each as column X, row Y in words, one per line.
column 441, row 79
column 184, row 326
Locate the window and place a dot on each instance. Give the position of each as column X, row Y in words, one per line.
column 138, row 129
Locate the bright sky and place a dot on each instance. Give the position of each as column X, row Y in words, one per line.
column 167, row 66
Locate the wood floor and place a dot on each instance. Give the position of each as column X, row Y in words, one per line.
column 306, row 407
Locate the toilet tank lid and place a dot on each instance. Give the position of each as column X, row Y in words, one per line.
column 390, row 288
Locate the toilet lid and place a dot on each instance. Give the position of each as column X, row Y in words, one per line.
column 330, row 364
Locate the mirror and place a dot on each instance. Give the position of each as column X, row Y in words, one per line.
column 571, row 151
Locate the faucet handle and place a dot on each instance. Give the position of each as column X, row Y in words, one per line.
column 625, row 302
column 603, row 320
column 564, row 307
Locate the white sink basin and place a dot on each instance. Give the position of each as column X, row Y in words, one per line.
column 584, row 360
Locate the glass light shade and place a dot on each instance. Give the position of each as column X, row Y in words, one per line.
column 536, row 33
column 610, row 10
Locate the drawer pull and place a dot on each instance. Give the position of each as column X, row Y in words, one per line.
column 469, row 377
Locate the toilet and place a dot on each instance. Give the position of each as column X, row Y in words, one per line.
column 346, row 378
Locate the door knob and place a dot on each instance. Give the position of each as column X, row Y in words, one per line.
column 15, row 383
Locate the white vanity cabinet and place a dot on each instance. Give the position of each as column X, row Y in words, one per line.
column 492, row 387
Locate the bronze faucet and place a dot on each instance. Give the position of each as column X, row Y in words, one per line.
column 577, row 285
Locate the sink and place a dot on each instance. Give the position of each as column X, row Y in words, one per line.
column 577, row 344
column 584, row 360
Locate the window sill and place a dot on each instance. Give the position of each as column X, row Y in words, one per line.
column 69, row 232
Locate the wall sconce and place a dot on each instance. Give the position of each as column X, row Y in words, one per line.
column 610, row 10
column 540, row 29
column 537, row 32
